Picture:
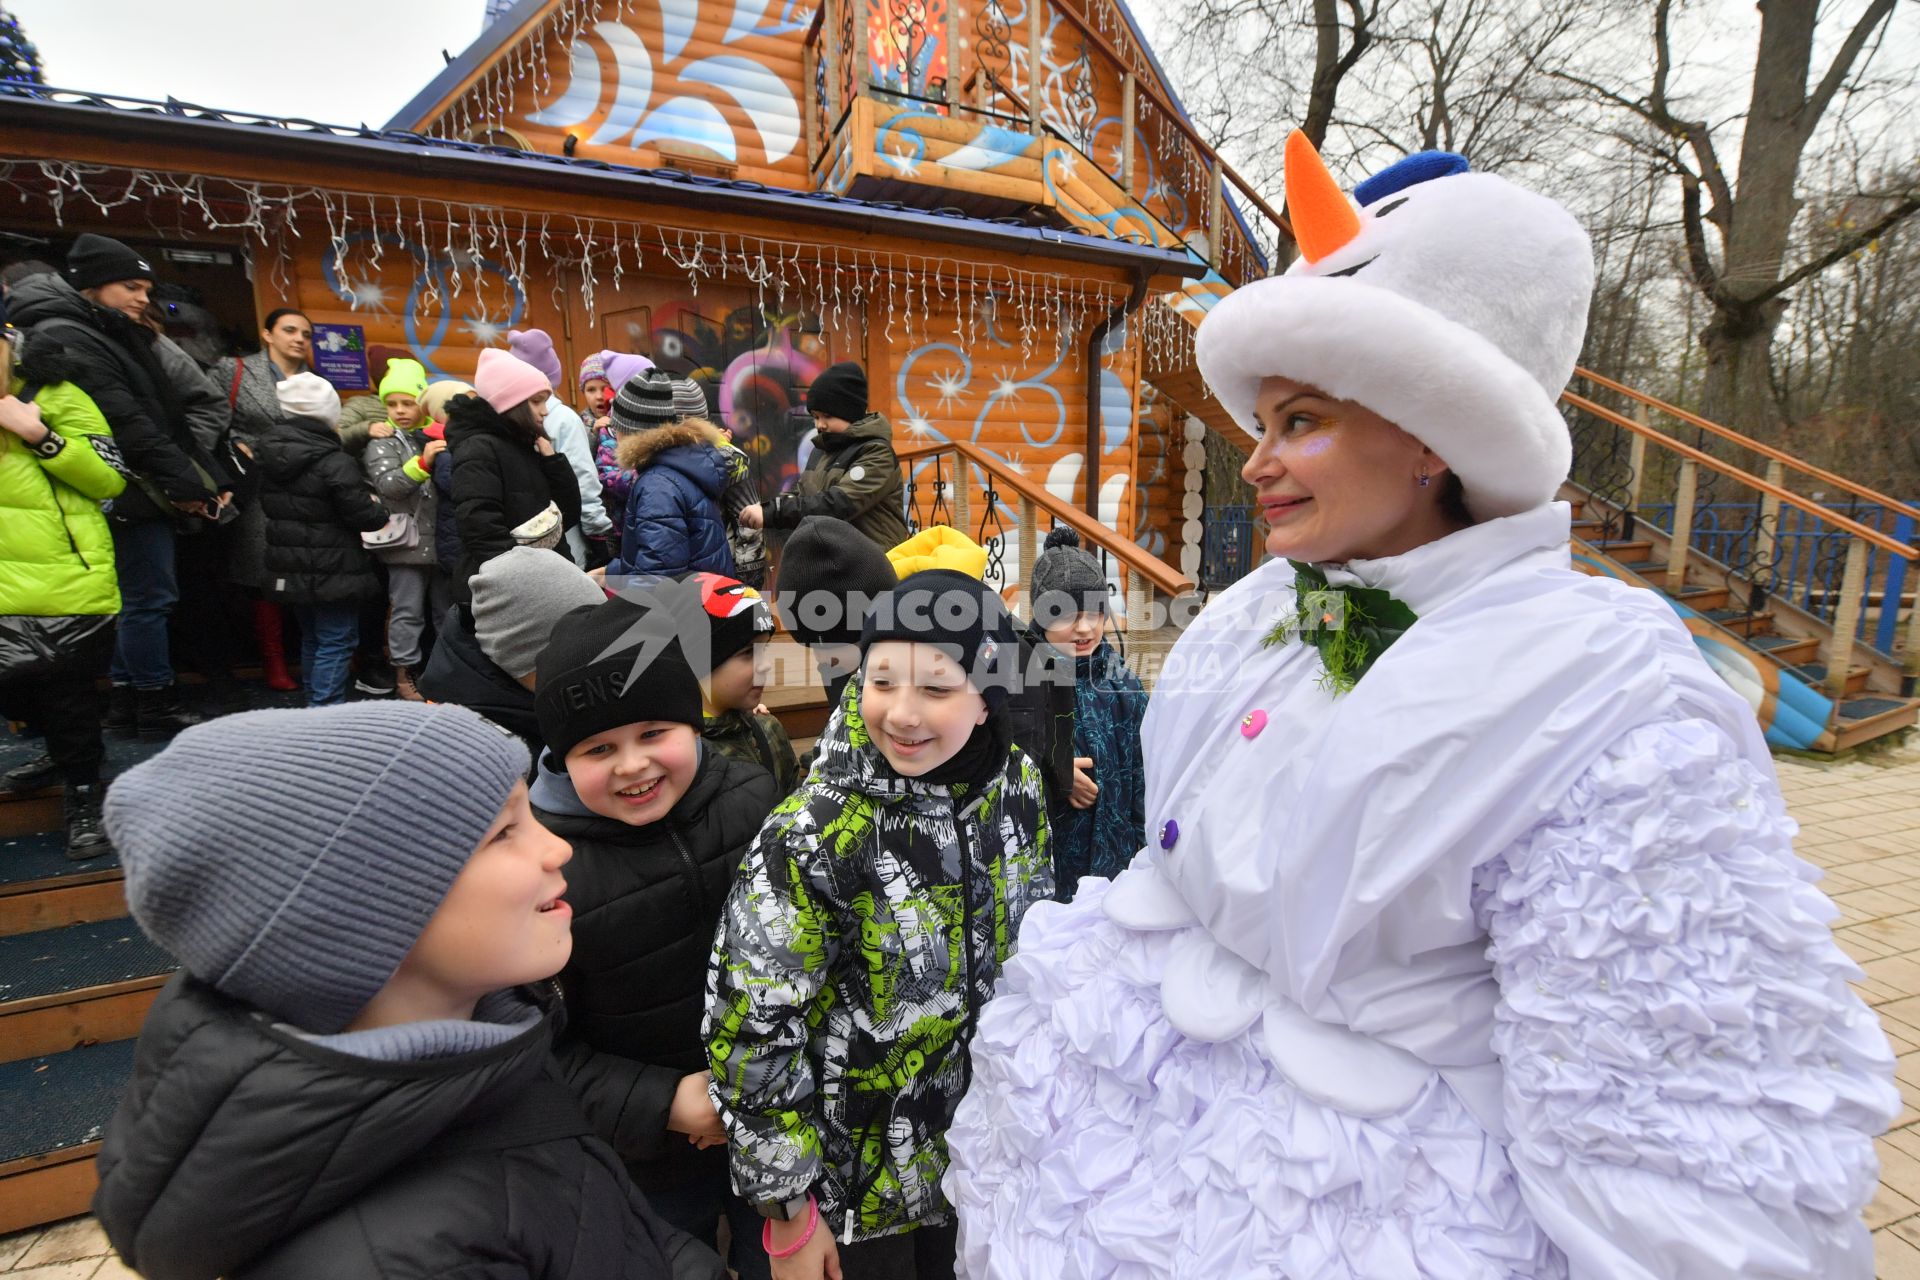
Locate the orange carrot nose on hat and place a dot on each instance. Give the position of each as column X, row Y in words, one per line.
column 1323, row 218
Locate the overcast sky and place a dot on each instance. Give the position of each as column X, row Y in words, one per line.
column 340, row 62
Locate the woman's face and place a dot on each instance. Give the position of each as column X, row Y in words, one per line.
column 1336, row 482
column 504, row 921
column 918, row 705
column 289, row 339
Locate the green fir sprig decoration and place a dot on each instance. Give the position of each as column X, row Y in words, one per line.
column 1350, row 626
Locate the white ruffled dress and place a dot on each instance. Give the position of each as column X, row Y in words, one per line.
column 1500, row 965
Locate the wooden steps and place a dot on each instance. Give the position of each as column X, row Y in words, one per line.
column 76, row 980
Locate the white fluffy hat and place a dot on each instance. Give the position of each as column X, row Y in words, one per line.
column 1450, row 303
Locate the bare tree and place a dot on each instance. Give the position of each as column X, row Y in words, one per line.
column 1738, row 226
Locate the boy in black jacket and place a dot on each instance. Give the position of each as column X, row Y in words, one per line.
column 351, row 1076
column 658, row 822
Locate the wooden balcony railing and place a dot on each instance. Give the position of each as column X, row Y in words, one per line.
column 945, row 470
column 1097, row 90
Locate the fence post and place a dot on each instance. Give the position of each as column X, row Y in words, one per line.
column 1766, row 538
column 1216, row 215
column 1127, row 90
column 1136, row 602
column 1681, row 547
column 1027, row 549
column 1636, row 464
column 1036, row 73
column 1846, row 619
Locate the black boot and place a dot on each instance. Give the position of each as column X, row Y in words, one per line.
column 34, row 774
column 122, row 715
column 86, row 837
column 161, row 715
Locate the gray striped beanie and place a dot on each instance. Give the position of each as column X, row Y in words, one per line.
column 689, row 401
column 645, row 402
column 292, row 858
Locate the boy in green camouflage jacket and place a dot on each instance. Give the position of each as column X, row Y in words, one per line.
column 865, row 930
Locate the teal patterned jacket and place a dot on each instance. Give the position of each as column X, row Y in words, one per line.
column 865, row 930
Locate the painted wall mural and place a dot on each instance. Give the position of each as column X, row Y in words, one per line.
column 753, row 360
column 684, row 71
column 1022, row 404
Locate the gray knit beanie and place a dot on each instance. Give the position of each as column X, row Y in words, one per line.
column 517, row 597
column 1066, row 580
column 689, row 401
column 291, row 858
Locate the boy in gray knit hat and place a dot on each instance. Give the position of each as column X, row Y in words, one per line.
column 1103, row 823
column 484, row 657
column 352, row 1073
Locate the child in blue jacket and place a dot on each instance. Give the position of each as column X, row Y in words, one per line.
column 673, row 524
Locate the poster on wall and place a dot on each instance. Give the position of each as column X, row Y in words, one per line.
column 340, row 355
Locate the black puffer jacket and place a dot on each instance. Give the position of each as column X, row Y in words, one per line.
column 646, row 902
column 317, row 505
column 114, row 362
column 242, row 1150
column 499, row 481
column 460, row 672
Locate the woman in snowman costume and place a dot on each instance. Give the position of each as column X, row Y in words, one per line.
column 1470, row 940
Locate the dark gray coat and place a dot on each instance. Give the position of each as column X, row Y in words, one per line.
column 242, row 1150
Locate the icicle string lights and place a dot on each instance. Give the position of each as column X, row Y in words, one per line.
column 926, row 298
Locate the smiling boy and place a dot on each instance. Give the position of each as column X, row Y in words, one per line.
column 658, row 822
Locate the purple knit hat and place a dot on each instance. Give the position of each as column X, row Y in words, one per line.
column 536, row 348
column 621, row 367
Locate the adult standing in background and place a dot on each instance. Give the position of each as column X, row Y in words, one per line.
column 94, row 314
column 58, row 596
column 286, row 339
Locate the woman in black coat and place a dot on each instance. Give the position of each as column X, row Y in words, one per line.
column 317, row 504
column 510, row 488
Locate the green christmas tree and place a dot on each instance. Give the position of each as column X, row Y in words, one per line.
column 19, row 59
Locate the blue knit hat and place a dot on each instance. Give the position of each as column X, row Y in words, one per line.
column 292, row 858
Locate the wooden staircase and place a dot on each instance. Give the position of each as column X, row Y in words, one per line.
column 78, row 979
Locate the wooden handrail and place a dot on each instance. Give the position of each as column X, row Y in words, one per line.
column 1764, row 450
column 1150, row 86
column 1163, row 576
column 1665, row 441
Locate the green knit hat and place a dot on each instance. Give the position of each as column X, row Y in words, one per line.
column 404, row 377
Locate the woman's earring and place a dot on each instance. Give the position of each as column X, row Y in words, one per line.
column 1424, row 479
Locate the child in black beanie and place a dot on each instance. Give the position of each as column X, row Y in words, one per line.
column 658, row 823
column 866, row 927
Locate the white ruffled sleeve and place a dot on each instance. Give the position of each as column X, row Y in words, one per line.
column 1692, row 1089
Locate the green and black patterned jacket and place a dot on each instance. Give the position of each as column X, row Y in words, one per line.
column 864, row 932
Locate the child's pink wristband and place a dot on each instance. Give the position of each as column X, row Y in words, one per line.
column 813, row 1222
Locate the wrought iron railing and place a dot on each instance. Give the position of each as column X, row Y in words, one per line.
column 1231, row 543
column 958, row 484
column 1808, row 558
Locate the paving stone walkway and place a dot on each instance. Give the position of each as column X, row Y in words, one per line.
column 1859, row 821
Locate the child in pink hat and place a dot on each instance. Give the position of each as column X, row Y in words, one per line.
column 510, row 486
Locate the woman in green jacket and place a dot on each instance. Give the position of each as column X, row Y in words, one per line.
column 58, row 592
